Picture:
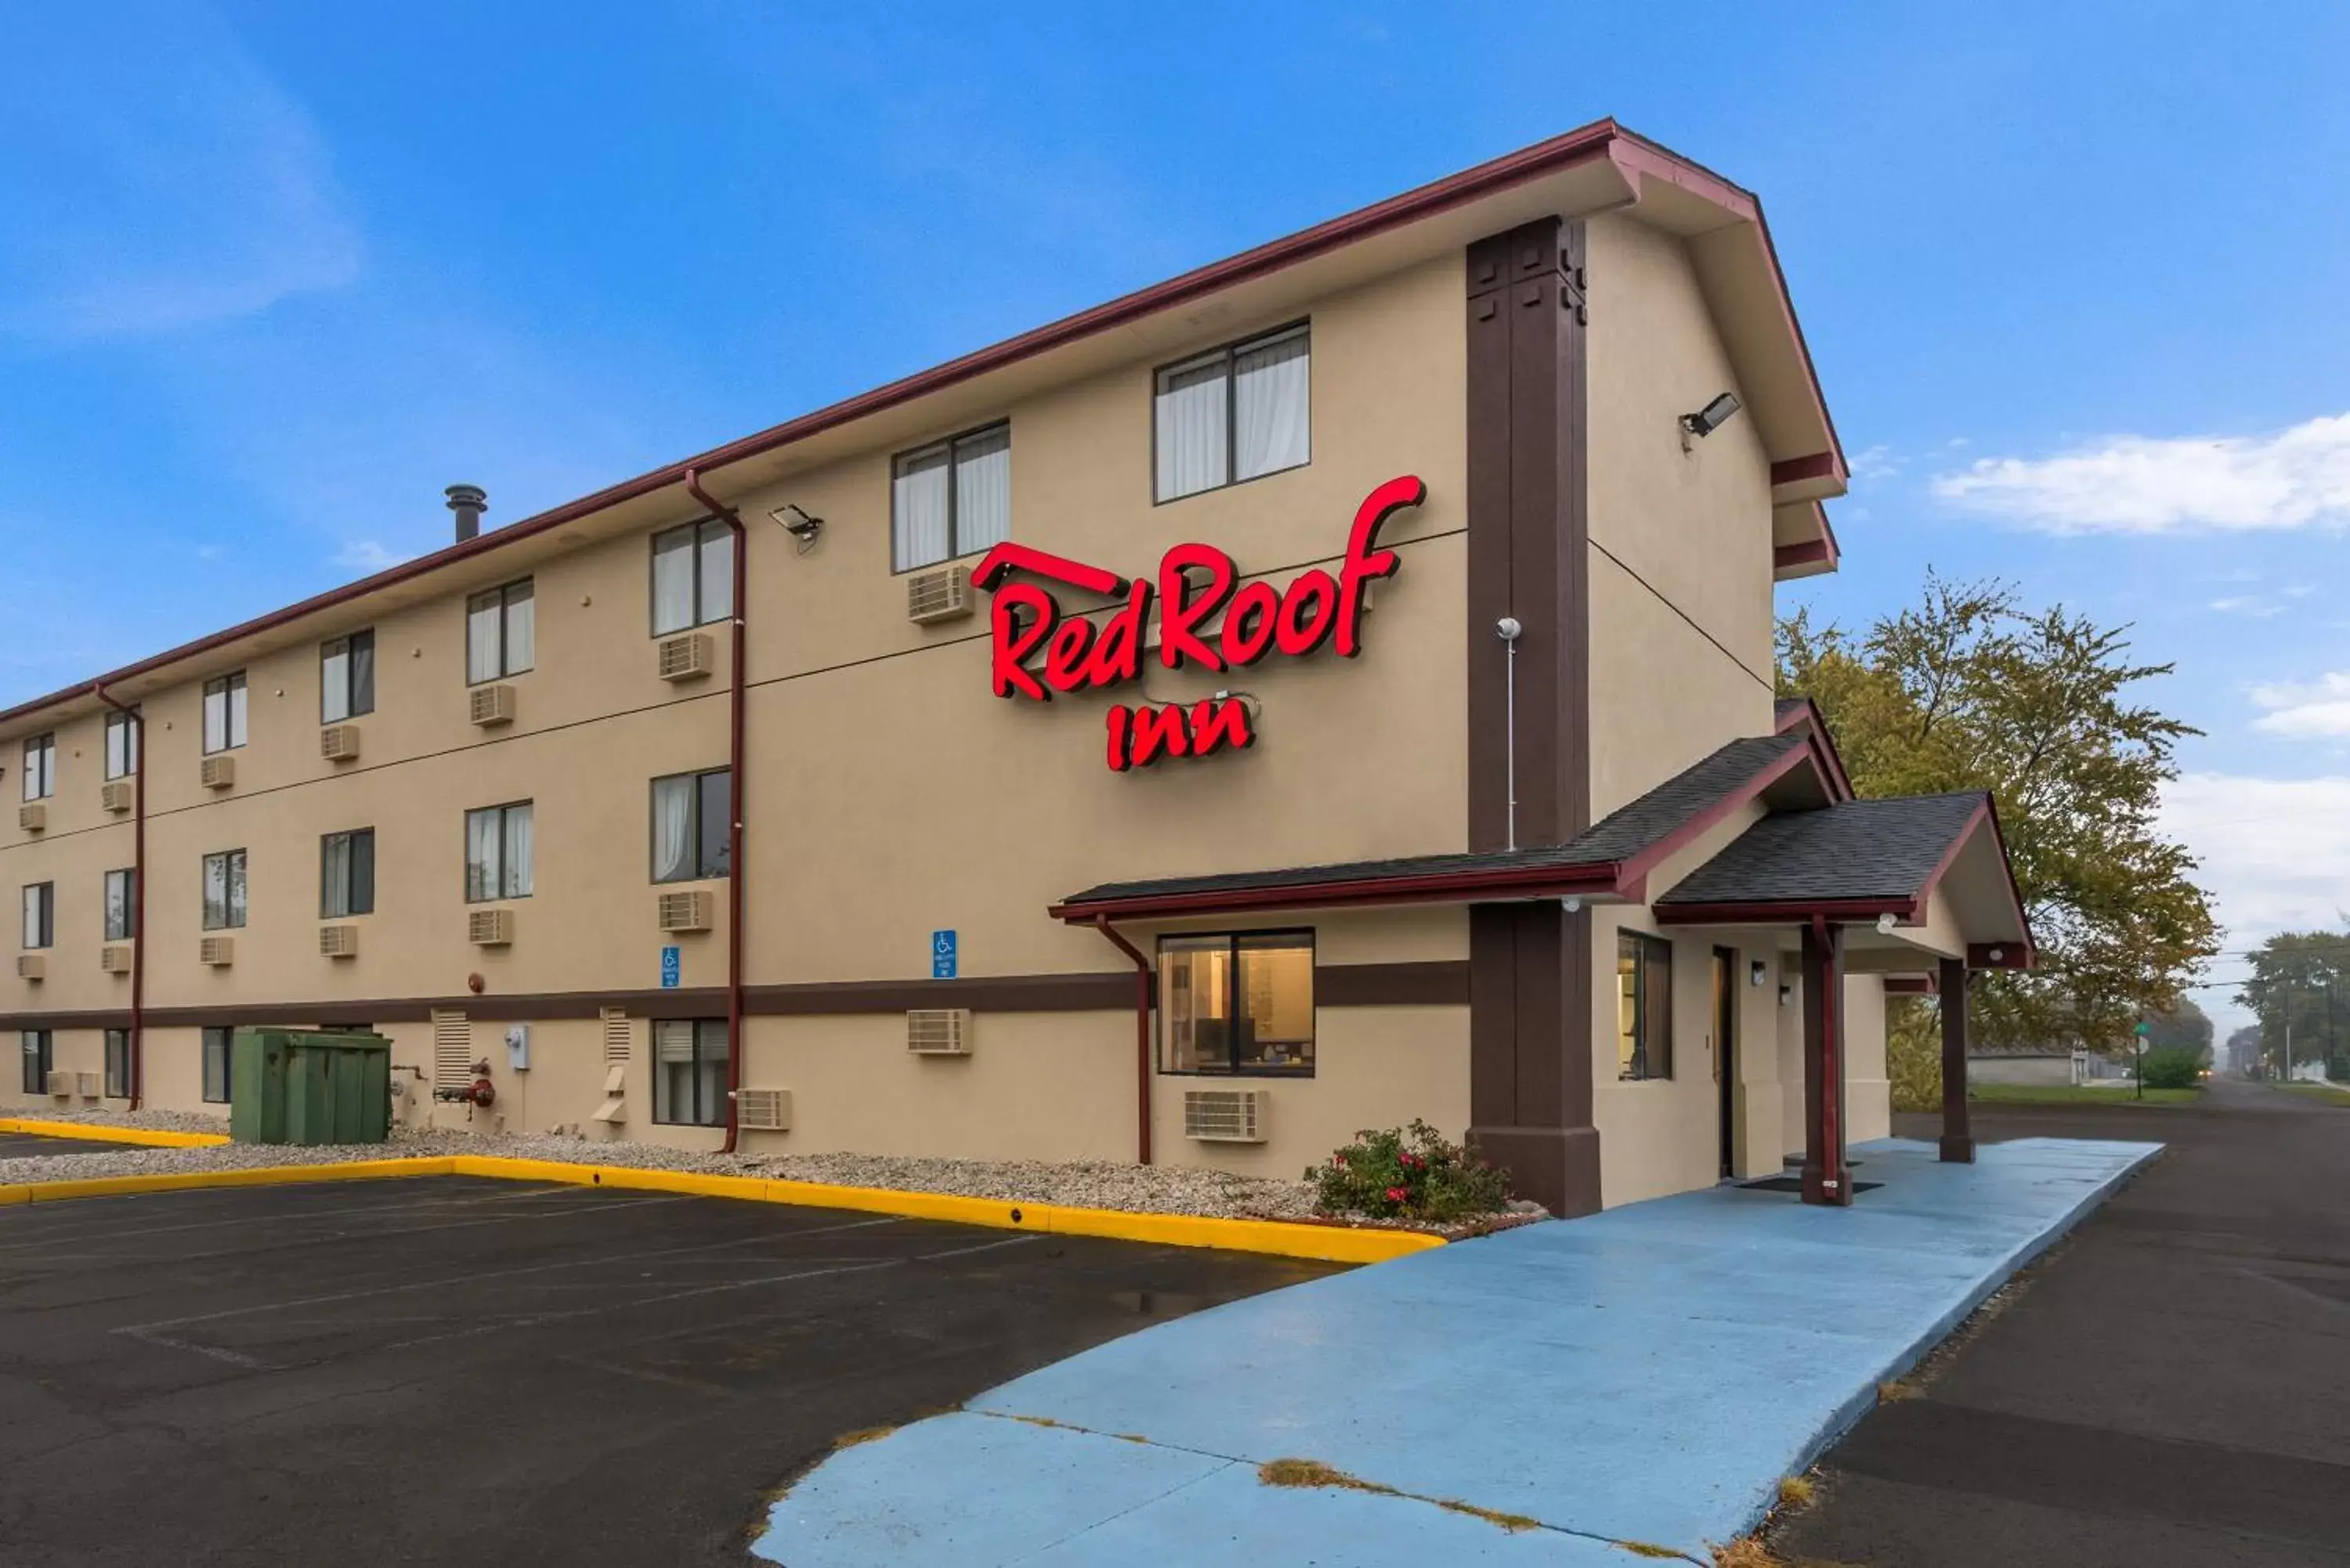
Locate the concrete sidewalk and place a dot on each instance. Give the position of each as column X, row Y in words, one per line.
column 1645, row 1375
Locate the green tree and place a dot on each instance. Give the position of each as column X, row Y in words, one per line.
column 1966, row 690
column 2302, row 979
column 2185, row 1027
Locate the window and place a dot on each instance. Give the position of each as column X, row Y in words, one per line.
column 40, row 914
column 498, row 853
column 40, row 767
column 952, row 499
column 225, row 713
column 1238, row 413
column 500, row 633
column 117, row 1063
column 347, row 874
column 121, row 746
column 121, row 905
column 690, row 1071
column 224, row 890
column 693, row 577
column 692, row 815
column 36, row 1062
column 216, row 1054
column 1644, row 1006
column 1239, row 1004
column 347, row 677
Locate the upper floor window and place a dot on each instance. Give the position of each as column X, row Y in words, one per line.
column 224, row 890
column 40, row 767
column 40, row 914
column 1240, row 413
column 121, row 746
column 1238, row 1003
column 224, row 712
column 1644, row 1006
column 951, row 499
column 498, row 845
column 500, row 633
column 121, row 905
column 691, row 813
column 693, row 577
column 347, row 874
column 347, row 677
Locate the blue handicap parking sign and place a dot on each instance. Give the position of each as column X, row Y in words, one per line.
column 671, row 969
column 943, row 955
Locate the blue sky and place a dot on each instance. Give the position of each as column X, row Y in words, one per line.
column 271, row 275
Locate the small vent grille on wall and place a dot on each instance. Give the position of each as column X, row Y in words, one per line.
column 487, row 705
column 688, row 656
column 619, row 1036
column 764, row 1110
column 218, row 952
column 489, row 928
column 943, row 594
column 1224, row 1116
column 452, row 1051
column 938, row 1031
column 33, row 816
column 115, row 958
column 339, row 742
column 338, row 942
column 687, row 911
column 31, row 966
column 217, row 772
column 116, row 794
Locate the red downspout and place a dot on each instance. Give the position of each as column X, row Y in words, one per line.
column 138, row 893
column 736, row 871
column 1141, row 1036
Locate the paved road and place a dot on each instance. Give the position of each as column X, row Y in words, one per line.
column 2171, row 1390
column 32, row 1145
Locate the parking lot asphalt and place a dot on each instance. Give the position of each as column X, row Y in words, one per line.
column 2166, row 1391
column 450, row 1371
column 29, row 1146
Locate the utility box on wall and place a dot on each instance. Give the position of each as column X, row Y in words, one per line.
column 309, row 1086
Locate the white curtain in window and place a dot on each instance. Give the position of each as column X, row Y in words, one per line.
column 1191, row 428
column 482, row 617
column 672, row 581
column 717, row 571
column 483, row 858
column 519, row 834
column 215, row 892
column 711, row 1072
column 335, row 897
column 334, row 681
column 216, row 719
column 1270, row 417
column 522, row 625
column 32, row 917
column 237, row 889
column 982, row 479
column 673, row 829
column 673, row 1070
column 237, row 710
column 919, row 504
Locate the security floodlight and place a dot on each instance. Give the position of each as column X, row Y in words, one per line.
column 798, row 524
column 1885, row 924
column 1708, row 419
column 1509, row 628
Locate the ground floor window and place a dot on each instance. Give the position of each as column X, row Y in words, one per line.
column 1238, row 1002
column 1644, row 1006
column 36, row 1061
column 216, row 1065
column 117, row 1063
column 689, row 1057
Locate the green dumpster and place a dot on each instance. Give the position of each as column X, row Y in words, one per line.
column 309, row 1086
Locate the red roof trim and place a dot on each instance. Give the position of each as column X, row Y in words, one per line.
column 1795, row 470
column 1777, row 911
column 1635, row 870
column 1821, row 741
column 1457, row 887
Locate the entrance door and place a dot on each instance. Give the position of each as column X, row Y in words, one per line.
column 1725, row 1053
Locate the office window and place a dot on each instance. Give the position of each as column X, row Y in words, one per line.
column 693, row 577
column 224, row 712
column 217, row 1052
column 40, row 767
column 121, row 905
column 224, row 890
column 40, row 914
column 347, row 874
column 690, row 1072
column 36, row 1043
column 498, row 852
column 1644, row 1006
column 1238, row 1003
column 951, row 499
column 691, row 813
column 1234, row 414
column 500, row 633
column 117, row 1063
column 121, row 746
column 347, row 677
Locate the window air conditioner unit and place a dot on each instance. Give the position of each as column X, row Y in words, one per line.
column 114, row 958
column 218, row 952
column 117, row 794
column 686, row 657
column 61, row 1082
column 942, row 595
column 489, row 928
column 32, row 966
column 762, row 1110
column 938, row 1031
column 218, row 773
column 33, row 816
column 339, row 742
column 687, row 911
column 1225, row 1116
column 87, row 1087
column 338, row 942
column 487, row 705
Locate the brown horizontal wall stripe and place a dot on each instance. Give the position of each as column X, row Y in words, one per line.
column 1439, row 984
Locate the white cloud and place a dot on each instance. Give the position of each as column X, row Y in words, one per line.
column 2305, row 709
column 1879, row 461
column 2275, row 856
column 2247, row 604
column 2143, row 484
column 368, row 556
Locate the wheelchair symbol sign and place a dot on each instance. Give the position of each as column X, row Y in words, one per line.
column 943, row 955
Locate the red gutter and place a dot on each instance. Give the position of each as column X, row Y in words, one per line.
column 1141, row 1036
column 736, row 871
column 138, row 893
column 1522, row 882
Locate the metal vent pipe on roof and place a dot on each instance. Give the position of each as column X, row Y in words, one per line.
column 467, row 501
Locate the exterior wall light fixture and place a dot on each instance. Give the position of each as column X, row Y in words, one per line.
column 1757, row 973
column 1885, row 924
column 1708, row 420
column 795, row 521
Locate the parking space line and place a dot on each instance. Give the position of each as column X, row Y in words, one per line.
column 402, row 1203
column 983, row 1247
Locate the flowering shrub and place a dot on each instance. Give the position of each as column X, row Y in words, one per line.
column 1408, row 1174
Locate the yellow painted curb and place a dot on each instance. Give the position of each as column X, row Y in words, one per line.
column 252, row 1175
column 152, row 1137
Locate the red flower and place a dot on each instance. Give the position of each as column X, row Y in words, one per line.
column 1409, row 1161
column 1339, row 1159
column 1398, row 1194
